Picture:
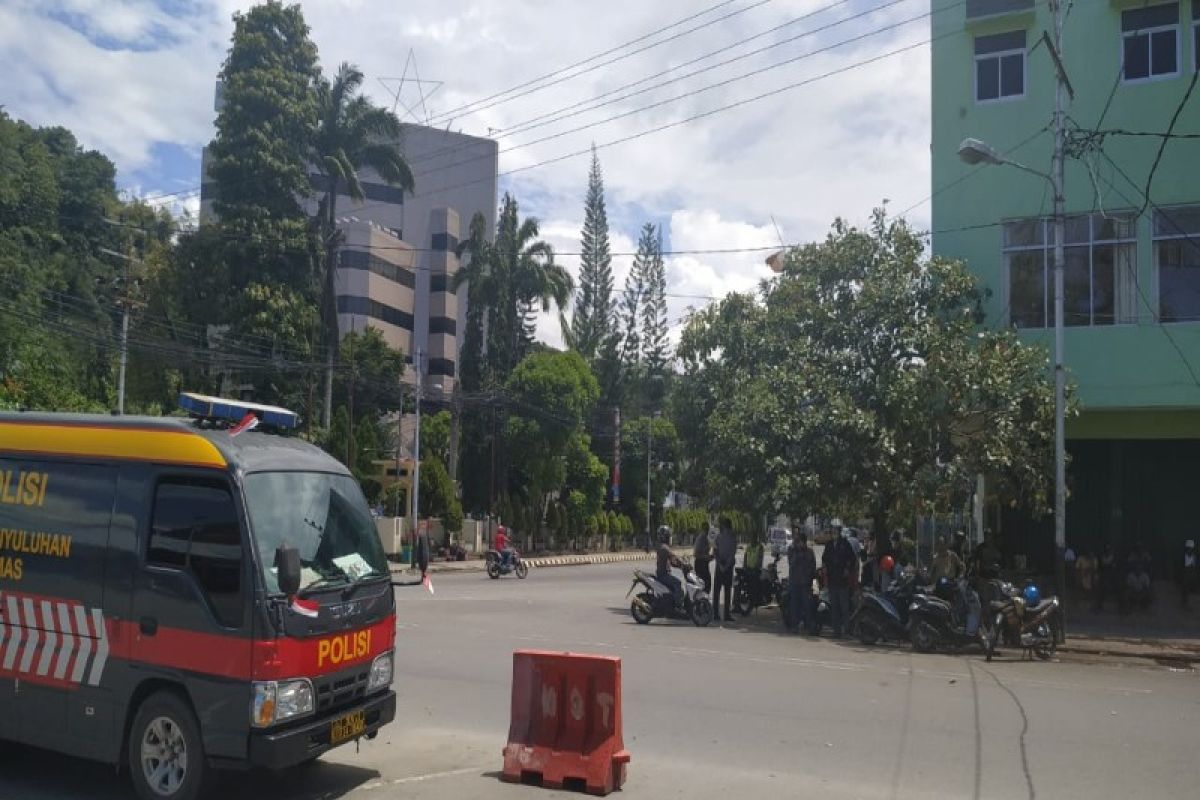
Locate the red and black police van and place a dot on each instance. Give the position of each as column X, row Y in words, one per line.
column 179, row 595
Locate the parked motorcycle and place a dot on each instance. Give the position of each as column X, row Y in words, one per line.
column 940, row 621
column 884, row 615
column 497, row 567
column 657, row 600
column 819, row 603
column 1023, row 619
column 752, row 591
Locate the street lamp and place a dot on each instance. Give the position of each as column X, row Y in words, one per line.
column 649, row 496
column 976, row 151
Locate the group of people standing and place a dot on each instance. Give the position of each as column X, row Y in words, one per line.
column 723, row 550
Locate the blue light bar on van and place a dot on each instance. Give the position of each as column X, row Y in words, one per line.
column 200, row 405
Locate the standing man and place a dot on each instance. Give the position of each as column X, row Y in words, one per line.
column 702, row 556
column 422, row 550
column 726, row 558
column 802, row 568
column 838, row 560
column 1189, row 577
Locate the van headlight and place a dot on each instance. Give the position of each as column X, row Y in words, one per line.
column 381, row 672
column 279, row 701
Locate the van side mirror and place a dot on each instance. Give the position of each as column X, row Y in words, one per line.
column 287, row 562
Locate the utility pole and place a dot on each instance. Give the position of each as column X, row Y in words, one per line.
column 1058, row 175
column 126, row 301
column 416, row 470
column 616, row 470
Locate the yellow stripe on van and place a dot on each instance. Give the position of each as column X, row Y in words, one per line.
column 136, row 444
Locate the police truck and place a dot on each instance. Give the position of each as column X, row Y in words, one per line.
column 185, row 594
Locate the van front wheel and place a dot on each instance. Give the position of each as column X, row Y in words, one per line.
column 166, row 755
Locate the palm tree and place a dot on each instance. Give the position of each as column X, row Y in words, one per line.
column 351, row 134
column 476, row 275
column 532, row 280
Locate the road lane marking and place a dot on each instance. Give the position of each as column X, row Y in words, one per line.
column 430, row 776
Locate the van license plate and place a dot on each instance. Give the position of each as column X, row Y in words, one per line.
column 348, row 727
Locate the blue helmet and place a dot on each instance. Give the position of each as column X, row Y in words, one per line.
column 1032, row 595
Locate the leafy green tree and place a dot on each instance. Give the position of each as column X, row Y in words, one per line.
column 435, row 435
column 860, row 383
column 654, row 343
column 374, row 375
column 352, row 134
column 338, row 442
column 636, row 435
column 593, row 316
column 541, row 439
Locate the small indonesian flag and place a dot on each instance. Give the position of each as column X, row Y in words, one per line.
column 305, row 608
column 428, row 584
column 248, row 423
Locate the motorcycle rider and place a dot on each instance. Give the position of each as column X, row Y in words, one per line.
column 501, row 544
column 666, row 560
column 946, row 564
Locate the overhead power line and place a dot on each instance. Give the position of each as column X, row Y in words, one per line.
column 655, row 105
column 529, row 87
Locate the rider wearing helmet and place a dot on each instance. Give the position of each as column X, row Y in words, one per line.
column 666, row 560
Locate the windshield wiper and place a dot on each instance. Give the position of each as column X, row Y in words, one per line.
column 326, row 581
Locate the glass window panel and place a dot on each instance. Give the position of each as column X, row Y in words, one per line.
column 1150, row 17
column 1106, row 229
column 1023, row 232
column 1104, row 284
column 1077, row 289
column 1164, row 58
column 1125, row 287
column 1178, row 279
column 1137, row 57
column 1027, row 289
column 1177, row 221
column 987, row 79
column 1078, row 231
column 1012, row 75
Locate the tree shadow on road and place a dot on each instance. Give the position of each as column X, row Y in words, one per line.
column 32, row 774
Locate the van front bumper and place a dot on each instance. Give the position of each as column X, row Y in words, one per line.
column 310, row 739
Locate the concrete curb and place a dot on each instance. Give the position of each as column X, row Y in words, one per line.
column 1082, row 645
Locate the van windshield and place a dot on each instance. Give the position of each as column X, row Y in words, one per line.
column 324, row 516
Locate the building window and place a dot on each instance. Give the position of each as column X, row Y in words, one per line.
column 999, row 66
column 366, row 307
column 360, row 259
column 1150, row 42
column 1177, row 259
column 1196, row 35
column 1099, row 281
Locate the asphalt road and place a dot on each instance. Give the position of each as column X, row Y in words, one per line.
column 721, row 712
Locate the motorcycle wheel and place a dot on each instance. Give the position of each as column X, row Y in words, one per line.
column 643, row 611
column 924, row 638
column 702, row 613
column 741, row 605
column 1046, row 651
column 493, row 570
column 522, row 570
column 868, row 631
column 992, row 637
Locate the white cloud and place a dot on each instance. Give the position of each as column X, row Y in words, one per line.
column 834, row 147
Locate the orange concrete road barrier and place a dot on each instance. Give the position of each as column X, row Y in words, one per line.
column 566, row 722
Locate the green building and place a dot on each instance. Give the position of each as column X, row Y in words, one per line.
column 1132, row 280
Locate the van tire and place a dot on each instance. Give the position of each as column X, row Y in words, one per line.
column 165, row 721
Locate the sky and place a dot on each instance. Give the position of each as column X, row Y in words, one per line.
column 844, row 126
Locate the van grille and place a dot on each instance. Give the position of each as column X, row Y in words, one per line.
column 341, row 689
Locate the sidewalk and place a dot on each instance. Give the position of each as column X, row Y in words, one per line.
column 1165, row 633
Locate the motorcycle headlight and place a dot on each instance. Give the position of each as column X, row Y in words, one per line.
column 381, row 672
column 913, row 606
column 278, row 701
